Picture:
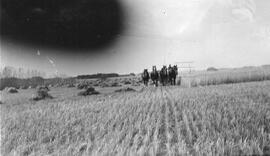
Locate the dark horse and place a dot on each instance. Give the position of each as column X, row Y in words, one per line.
column 154, row 76
column 163, row 75
column 145, row 77
column 173, row 71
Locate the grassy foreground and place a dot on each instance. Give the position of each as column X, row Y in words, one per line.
column 229, row 119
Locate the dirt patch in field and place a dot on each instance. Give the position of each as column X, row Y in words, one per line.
column 126, row 89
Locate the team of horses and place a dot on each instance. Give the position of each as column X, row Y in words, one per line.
column 164, row 76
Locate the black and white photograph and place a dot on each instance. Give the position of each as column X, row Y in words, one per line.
column 134, row 77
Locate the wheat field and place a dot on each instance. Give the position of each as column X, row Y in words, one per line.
column 229, row 119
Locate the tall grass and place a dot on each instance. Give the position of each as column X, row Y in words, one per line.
column 225, row 77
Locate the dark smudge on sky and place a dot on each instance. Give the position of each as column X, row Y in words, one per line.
column 67, row 25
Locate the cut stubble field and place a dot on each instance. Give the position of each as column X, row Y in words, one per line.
column 231, row 119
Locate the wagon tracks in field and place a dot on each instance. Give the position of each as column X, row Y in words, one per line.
column 172, row 127
column 179, row 141
column 162, row 128
column 153, row 124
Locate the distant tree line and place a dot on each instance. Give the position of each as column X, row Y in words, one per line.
column 22, row 73
column 18, row 82
column 98, row 75
column 34, row 82
column 124, row 75
column 211, row 69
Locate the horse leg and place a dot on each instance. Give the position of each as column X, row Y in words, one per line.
column 163, row 83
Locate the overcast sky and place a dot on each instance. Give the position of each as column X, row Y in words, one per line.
column 219, row 33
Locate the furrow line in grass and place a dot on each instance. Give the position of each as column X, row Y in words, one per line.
column 154, row 135
column 171, row 125
column 167, row 122
column 179, row 126
column 162, row 129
